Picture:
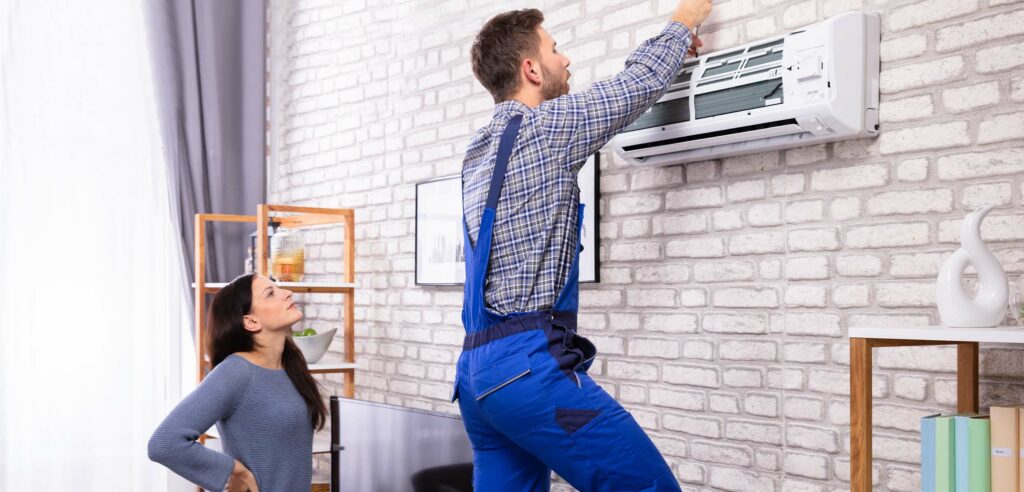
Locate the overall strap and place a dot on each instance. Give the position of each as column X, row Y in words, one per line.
column 475, row 315
column 508, row 139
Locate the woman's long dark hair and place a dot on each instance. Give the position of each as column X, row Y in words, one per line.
column 227, row 335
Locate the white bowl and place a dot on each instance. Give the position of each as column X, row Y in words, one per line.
column 314, row 347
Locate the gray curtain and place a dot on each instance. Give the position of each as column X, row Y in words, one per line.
column 209, row 60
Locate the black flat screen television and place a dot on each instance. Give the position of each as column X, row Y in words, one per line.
column 387, row 448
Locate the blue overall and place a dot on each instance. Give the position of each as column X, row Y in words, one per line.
column 526, row 399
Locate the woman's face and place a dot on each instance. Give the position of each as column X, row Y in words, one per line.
column 272, row 307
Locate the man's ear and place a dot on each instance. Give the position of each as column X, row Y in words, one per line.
column 251, row 323
column 531, row 70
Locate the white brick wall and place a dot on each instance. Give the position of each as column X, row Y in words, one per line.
column 728, row 285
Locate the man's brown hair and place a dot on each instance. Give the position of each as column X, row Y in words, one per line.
column 500, row 46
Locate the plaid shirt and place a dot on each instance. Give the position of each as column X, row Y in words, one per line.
column 535, row 233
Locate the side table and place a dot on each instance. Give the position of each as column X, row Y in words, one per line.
column 863, row 339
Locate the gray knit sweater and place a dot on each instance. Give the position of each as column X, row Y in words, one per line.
column 263, row 422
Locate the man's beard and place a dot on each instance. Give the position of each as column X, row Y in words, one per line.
column 553, row 86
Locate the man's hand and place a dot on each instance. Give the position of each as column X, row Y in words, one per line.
column 695, row 43
column 241, row 480
column 692, row 12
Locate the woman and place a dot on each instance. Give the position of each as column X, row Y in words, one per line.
column 259, row 393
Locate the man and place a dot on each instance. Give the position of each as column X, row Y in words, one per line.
column 526, row 400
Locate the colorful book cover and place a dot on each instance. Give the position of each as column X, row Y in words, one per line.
column 1005, row 451
column 945, row 454
column 960, row 441
column 1020, row 446
column 973, row 463
column 960, row 460
column 928, row 453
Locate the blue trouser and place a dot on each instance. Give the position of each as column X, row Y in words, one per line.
column 526, row 400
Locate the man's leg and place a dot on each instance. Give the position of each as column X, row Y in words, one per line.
column 581, row 432
column 499, row 465
column 596, row 445
column 509, row 469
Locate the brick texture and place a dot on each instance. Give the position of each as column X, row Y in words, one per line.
column 727, row 285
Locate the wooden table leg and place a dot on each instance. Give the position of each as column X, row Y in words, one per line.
column 860, row 415
column 350, row 384
column 967, row 377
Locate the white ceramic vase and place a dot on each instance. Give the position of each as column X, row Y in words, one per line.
column 956, row 307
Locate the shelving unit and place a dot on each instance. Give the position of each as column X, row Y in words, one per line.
column 302, row 287
column 863, row 339
column 297, row 217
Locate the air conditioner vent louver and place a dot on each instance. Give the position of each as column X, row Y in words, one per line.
column 663, row 114
column 739, row 98
column 775, row 56
column 670, row 141
column 769, row 44
column 714, row 58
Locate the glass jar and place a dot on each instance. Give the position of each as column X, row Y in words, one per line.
column 250, row 251
column 287, row 256
column 1017, row 299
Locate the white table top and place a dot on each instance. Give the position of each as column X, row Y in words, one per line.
column 998, row 334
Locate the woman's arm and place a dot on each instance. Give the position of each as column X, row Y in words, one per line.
column 175, row 444
column 241, row 480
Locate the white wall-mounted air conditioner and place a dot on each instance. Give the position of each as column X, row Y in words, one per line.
column 813, row 85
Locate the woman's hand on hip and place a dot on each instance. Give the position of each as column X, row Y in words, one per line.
column 241, row 480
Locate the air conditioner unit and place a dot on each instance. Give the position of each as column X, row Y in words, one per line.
column 817, row 84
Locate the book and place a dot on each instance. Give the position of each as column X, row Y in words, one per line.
column 1020, row 446
column 960, row 461
column 945, row 456
column 928, row 453
column 980, row 453
column 1005, row 450
column 973, row 452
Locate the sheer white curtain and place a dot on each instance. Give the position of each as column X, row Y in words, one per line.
column 90, row 268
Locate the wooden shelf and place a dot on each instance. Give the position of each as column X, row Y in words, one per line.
column 998, row 334
column 287, row 216
column 865, row 338
column 298, row 287
column 331, row 367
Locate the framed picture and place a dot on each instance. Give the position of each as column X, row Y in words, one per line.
column 440, row 257
column 440, row 254
column 590, row 193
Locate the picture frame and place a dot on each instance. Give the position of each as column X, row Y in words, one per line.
column 440, row 253
column 590, row 195
column 439, row 249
